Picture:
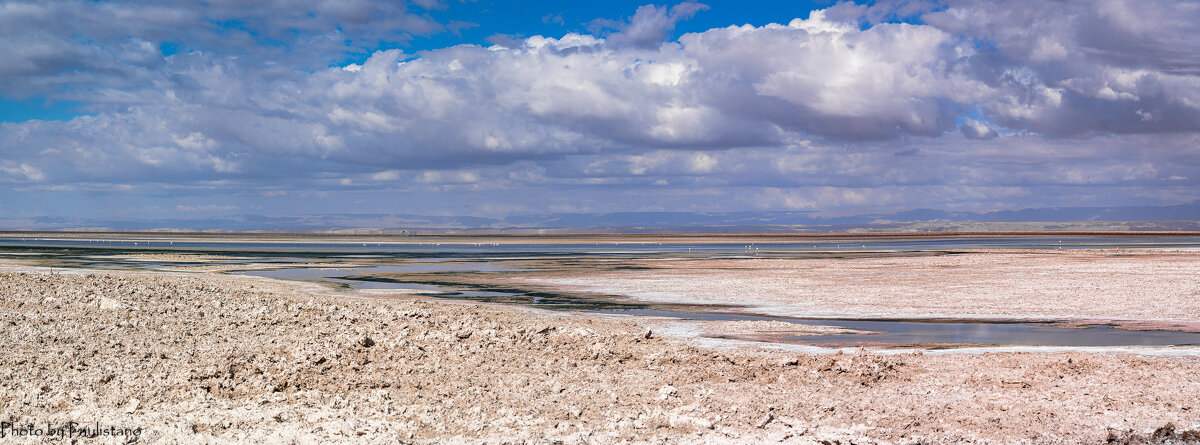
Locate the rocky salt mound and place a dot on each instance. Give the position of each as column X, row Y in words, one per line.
column 193, row 358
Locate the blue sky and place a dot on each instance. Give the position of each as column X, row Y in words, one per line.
column 163, row 109
column 525, row 18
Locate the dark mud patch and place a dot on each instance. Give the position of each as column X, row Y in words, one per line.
column 463, row 288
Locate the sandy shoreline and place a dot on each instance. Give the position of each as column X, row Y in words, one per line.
column 202, row 357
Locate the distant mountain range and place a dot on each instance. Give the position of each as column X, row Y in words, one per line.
column 1175, row 217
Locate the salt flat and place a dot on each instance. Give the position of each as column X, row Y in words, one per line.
column 202, row 357
column 1146, row 288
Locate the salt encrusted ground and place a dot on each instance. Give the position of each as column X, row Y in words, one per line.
column 1157, row 287
column 195, row 358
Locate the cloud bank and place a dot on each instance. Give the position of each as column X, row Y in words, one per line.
column 966, row 105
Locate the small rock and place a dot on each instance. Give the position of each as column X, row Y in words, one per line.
column 132, row 405
column 795, row 424
column 648, row 334
column 109, row 304
column 765, row 420
column 680, row 421
column 366, row 342
column 667, row 392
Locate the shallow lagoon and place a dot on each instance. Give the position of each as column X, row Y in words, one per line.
column 341, row 263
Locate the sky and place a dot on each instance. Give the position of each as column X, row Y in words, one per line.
column 166, row 109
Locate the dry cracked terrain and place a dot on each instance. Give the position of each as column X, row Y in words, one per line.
column 206, row 358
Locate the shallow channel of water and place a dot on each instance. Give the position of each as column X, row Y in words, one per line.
column 881, row 332
column 492, row 258
column 932, row 332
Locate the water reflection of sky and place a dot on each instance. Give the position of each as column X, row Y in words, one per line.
column 891, row 332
